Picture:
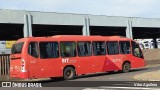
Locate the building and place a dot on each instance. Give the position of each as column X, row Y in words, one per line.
column 17, row 24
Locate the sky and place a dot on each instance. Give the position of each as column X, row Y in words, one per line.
column 127, row 8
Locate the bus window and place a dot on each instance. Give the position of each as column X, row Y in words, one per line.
column 68, row 49
column 84, row 49
column 48, row 50
column 17, row 48
column 99, row 48
column 125, row 47
column 112, row 47
column 136, row 50
column 33, row 49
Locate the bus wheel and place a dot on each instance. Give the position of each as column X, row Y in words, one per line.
column 126, row 67
column 69, row 73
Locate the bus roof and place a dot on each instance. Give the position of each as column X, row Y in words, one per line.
column 76, row 38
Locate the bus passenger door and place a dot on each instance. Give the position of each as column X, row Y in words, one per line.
column 33, row 60
column 137, row 56
column 50, row 67
column 49, row 63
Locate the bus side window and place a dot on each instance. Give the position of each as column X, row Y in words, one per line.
column 84, row 48
column 33, row 49
column 99, row 48
column 49, row 50
column 68, row 49
column 136, row 50
column 125, row 47
column 112, row 47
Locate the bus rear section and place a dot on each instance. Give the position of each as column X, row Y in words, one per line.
column 17, row 62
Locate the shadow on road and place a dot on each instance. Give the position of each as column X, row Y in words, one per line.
column 140, row 69
column 108, row 73
column 59, row 79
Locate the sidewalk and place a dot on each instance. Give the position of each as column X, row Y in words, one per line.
column 148, row 76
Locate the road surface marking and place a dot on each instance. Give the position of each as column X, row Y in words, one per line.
column 126, row 88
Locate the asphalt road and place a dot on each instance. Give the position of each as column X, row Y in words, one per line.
column 100, row 81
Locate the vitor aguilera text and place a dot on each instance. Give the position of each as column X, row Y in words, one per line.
column 145, row 84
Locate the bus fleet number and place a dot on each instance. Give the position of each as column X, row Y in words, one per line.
column 65, row 60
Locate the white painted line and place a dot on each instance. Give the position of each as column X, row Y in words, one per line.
column 130, row 88
column 126, row 88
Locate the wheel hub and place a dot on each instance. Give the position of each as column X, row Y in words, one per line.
column 68, row 73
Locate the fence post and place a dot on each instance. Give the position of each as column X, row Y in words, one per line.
column 4, row 67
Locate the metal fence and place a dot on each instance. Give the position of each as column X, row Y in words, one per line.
column 4, row 64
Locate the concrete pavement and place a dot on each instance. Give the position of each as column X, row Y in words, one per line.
column 148, row 76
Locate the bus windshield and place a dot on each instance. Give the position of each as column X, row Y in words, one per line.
column 17, row 48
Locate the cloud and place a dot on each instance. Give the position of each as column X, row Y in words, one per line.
column 129, row 8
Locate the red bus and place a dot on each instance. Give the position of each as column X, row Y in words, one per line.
column 70, row 55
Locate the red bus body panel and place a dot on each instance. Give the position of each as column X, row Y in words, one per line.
column 53, row 67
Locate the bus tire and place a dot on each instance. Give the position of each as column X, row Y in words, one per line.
column 69, row 73
column 126, row 67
